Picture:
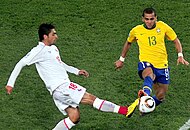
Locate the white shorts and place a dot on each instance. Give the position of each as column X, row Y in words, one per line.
column 68, row 94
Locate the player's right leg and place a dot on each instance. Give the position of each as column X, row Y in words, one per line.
column 148, row 77
column 132, row 108
column 145, row 71
column 107, row 106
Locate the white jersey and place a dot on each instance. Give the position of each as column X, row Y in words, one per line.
column 52, row 70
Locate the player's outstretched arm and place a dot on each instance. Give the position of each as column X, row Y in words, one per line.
column 178, row 47
column 16, row 71
column 119, row 63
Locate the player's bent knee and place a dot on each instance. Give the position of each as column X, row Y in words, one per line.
column 74, row 114
column 88, row 98
column 161, row 96
column 75, row 120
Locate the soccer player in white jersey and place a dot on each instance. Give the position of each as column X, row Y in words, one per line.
column 53, row 71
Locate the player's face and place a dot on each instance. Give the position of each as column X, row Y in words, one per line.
column 51, row 38
column 149, row 20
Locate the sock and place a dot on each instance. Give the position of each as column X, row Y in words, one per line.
column 123, row 110
column 147, row 85
column 156, row 100
column 107, row 106
column 64, row 124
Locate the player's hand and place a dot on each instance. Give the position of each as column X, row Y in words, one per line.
column 182, row 61
column 84, row 72
column 9, row 89
column 118, row 64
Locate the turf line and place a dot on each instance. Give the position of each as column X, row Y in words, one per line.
column 186, row 126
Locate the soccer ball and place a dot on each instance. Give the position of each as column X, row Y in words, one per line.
column 147, row 104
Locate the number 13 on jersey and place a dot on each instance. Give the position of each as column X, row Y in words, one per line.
column 152, row 40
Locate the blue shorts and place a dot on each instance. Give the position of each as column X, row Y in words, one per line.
column 162, row 75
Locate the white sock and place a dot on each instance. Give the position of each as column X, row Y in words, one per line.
column 116, row 108
column 64, row 124
column 105, row 106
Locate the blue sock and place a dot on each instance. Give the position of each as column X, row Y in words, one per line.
column 147, row 85
column 156, row 100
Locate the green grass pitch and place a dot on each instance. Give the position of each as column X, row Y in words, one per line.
column 91, row 36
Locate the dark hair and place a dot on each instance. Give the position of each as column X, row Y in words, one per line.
column 44, row 29
column 149, row 11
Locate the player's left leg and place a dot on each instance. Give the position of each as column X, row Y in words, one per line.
column 160, row 92
column 69, row 122
column 161, row 84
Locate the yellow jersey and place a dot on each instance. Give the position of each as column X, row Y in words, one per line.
column 151, row 43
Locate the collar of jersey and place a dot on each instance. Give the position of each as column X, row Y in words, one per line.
column 149, row 28
column 41, row 43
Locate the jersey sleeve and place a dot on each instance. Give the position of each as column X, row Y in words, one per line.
column 33, row 57
column 170, row 33
column 16, row 71
column 28, row 59
column 71, row 69
column 131, row 37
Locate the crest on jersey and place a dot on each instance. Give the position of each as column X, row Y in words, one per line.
column 158, row 30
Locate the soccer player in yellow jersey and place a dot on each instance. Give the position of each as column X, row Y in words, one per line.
column 153, row 59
